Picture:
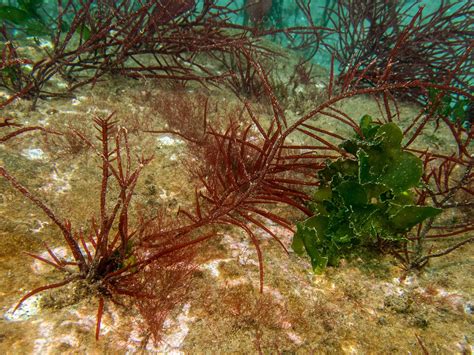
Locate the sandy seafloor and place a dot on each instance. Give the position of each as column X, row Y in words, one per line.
column 360, row 307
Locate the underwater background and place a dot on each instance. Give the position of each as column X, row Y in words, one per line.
column 281, row 14
column 201, row 190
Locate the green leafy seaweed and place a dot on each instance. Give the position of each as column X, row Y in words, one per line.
column 14, row 15
column 25, row 17
column 364, row 200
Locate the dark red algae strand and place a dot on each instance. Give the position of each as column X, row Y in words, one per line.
column 168, row 10
column 46, row 261
column 65, row 227
column 43, row 288
column 100, row 311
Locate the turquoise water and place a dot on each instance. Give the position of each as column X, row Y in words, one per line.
column 283, row 14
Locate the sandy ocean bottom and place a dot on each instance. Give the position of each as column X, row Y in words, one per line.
column 364, row 306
